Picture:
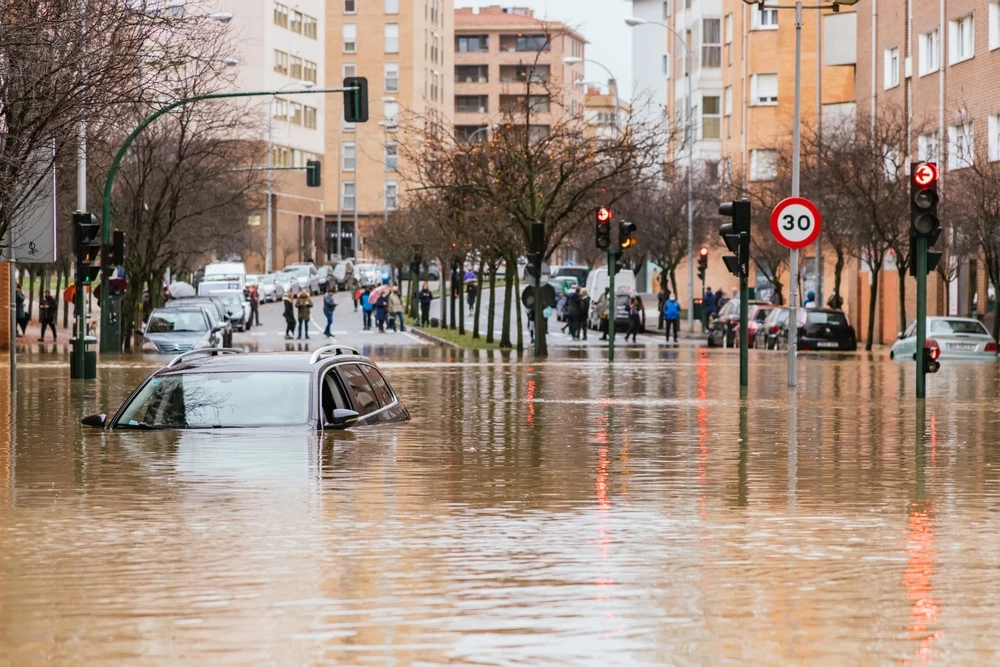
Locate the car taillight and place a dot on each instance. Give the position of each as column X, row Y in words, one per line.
column 934, row 348
column 990, row 347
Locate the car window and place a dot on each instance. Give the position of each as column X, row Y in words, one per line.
column 762, row 314
column 213, row 400
column 820, row 317
column 176, row 321
column 333, row 395
column 362, row 390
column 910, row 330
column 959, row 327
column 383, row 392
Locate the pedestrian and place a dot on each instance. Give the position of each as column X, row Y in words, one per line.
column 672, row 316
column 366, row 309
column 396, row 309
column 605, row 308
column 661, row 303
column 22, row 318
column 471, row 290
column 708, row 305
column 835, row 301
column 303, row 306
column 357, row 298
column 329, row 304
column 531, row 324
column 48, row 311
column 289, row 316
column 573, row 311
column 720, row 300
column 810, row 300
column 254, row 305
column 585, row 312
column 381, row 311
column 147, row 304
column 166, row 293
column 633, row 318
column 425, row 296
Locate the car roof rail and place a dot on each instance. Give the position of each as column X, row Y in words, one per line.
column 335, row 349
column 208, row 350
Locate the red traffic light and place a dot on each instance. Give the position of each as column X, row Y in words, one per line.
column 925, row 175
column 604, row 214
column 703, row 252
column 933, row 349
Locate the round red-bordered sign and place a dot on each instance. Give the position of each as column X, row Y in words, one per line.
column 795, row 222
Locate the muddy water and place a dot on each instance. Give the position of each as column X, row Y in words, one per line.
column 540, row 514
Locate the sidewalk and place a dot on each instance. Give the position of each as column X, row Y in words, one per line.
column 29, row 343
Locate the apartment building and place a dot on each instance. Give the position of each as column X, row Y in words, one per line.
column 938, row 61
column 503, row 53
column 281, row 45
column 604, row 112
column 403, row 48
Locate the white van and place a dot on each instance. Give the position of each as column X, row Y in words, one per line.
column 597, row 282
column 226, row 272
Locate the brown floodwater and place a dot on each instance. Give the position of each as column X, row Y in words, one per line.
column 530, row 514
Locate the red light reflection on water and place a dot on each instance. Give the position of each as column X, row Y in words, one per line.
column 917, row 579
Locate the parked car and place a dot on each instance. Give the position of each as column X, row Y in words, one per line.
column 822, row 329
column 955, row 338
column 621, row 313
column 343, row 274
column 368, row 275
column 303, row 278
column 269, row 288
column 578, row 272
column 287, row 282
column 324, row 276
column 756, row 314
column 181, row 330
column 216, row 309
column 721, row 331
column 334, row 388
column 237, row 307
column 769, row 331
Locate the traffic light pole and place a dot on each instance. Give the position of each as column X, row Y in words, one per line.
column 612, row 301
column 107, row 337
column 921, row 260
column 79, row 303
column 744, row 310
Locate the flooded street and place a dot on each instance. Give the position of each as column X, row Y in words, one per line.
column 530, row 514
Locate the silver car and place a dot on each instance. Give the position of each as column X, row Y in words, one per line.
column 955, row 337
column 269, row 288
column 303, row 278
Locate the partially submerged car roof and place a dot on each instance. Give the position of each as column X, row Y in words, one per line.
column 237, row 361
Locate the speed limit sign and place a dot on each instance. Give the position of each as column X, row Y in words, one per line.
column 795, row 222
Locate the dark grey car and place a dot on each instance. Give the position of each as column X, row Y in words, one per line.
column 180, row 330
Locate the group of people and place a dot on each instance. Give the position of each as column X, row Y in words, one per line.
column 48, row 313
column 385, row 309
column 575, row 308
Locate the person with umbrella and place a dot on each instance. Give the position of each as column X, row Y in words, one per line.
column 381, row 309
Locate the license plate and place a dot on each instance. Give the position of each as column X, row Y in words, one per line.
column 827, row 344
column 962, row 346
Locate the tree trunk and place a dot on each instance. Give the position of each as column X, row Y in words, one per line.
column 58, row 292
column 838, row 271
column 517, row 307
column 508, row 289
column 491, row 310
column 443, row 280
column 479, row 300
column 902, row 272
column 461, row 307
column 31, row 292
column 673, row 280
column 872, row 305
column 45, row 280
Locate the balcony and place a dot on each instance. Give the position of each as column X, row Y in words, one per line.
column 525, row 43
column 522, row 73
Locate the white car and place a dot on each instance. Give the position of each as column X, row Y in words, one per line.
column 955, row 337
column 304, row 277
column 368, row 275
column 269, row 288
column 286, row 282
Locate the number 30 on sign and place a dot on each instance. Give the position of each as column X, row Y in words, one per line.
column 795, row 222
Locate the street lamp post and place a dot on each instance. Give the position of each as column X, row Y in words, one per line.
column 269, row 253
column 573, row 60
column 689, row 138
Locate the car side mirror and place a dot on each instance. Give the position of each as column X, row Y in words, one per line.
column 341, row 420
column 95, row 421
column 899, row 336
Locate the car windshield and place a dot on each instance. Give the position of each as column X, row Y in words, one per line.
column 176, row 321
column 958, row 327
column 298, row 271
column 220, row 400
column 821, row 317
column 761, row 314
column 777, row 315
column 231, row 300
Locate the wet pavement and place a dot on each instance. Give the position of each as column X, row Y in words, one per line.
column 532, row 513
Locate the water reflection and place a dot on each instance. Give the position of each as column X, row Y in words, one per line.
column 532, row 513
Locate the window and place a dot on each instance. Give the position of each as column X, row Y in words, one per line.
column 350, row 197
column 295, row 113
column 392, row 77
column 467, row 133
column 929, row 48
column 471, row 73
column 280, row 15
column 711, row 119
column 666, row 65
column 666, row 10
column 364, row 395
column 763, row 89
column 763, row 17
column 295, row 67
column 890, row 71
column 350, row 38
column 391, row 110
column 392, row 156
column 712, row 171
column 383, row 392
column 728, row 93
column 392, row 38
column 927, row 148
column 350, row 69
column 350, row 156
column 472, row 44
column 525, row 43
column 711, row 43
column 350, row 6
column 994, row 25
column 280, row 62
column 279, row 109
column 729, row 28
column 391, row 6
column 993, row 140
column 295, row 25
column 391, row 193
column 961, row 39
column 763, row 164
column 309, row 26
column 471, row 103
column 309, row 70
column 281, row 156
column 960, row 146
column 309, row 117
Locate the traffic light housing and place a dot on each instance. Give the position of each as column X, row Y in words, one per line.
column 603, row 221
column 931, row 355
column 702, row 263
column 736, row 235
column 118, row 248
column 924, row 201
column 619, row 265
column 356, row 101
column 626, row 235
column 313, row 173
column 86, row 245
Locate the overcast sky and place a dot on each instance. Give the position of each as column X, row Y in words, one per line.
column 602, row 22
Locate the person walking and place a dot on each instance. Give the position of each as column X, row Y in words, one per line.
column 21, row 320
column 289, row 314
column 48, row 311
column 357, row 298
column 471, row 290
column 366, row 309
column 634, row 318
column 329, row 305
column 573, row 312
column 396, row 309
column 303, row 306
column 254, row 306
column 381, row 308
column 672, row 317
column 709, row 306
column 810, row 300
column 425, row 296
column 605, row 309
column 584, row 312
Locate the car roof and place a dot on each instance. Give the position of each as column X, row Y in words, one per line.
column 263, row 362
column 950, row 317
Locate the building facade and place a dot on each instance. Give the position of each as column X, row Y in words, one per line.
column 404, row 49
column 604, row 112
column 280, row 46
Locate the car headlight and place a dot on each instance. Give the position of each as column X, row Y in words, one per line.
column 149, row 346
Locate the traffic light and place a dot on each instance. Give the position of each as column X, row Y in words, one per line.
column 736, row 234
column 924, row 200
column 356, row 101
column 702, row 263
column 313, row 175
column 603, row 218
column 931, row 354
column 87, row 245
column 626, row 235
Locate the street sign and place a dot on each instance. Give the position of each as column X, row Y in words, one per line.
column 795, row 222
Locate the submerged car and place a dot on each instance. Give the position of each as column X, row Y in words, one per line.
column 334, row 388
column 216, row 310
column 181, row 330
column 768, row 334
column 955, row 338
column 822, row 329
